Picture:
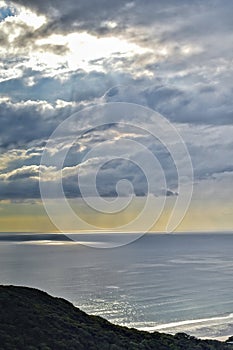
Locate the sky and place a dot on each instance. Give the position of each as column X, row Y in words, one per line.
column 170, row 57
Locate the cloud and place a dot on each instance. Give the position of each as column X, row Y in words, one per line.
column 41, row 43
column 203, row 104
column 174, row 57
column 25, row 172
column 25, row 121
column 21, row 167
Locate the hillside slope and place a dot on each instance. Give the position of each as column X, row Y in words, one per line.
column 31, row 319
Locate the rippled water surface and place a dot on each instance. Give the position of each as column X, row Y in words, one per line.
column 177, row 282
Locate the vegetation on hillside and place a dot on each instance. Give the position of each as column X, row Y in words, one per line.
column 31, row 319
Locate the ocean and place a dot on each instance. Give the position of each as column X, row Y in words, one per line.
column 166, row 282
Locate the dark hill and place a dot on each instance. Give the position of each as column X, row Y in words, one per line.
column 31, row 319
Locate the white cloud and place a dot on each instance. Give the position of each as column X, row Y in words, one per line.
column 40, row 106
column 63, row 104
column 31, row 172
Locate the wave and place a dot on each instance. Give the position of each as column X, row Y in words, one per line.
column 194, row 322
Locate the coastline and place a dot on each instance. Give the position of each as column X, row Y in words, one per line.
column 38, row 320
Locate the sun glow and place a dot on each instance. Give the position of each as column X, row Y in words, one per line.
column 31, row 19
column 85, row 50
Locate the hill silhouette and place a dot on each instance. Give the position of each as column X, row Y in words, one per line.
column 31, row 319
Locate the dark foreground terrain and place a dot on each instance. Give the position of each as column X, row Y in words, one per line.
column 31, row 319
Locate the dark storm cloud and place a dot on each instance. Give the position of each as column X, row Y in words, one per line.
column 31, row 112
column 201, row 104
column 27, row 122
column 21, row 172
column 92, row 14
column 76, row 14
column 20, row 190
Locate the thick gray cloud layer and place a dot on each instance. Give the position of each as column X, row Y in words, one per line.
column 181, row 66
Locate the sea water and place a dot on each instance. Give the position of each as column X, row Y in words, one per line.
column 166, row 282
